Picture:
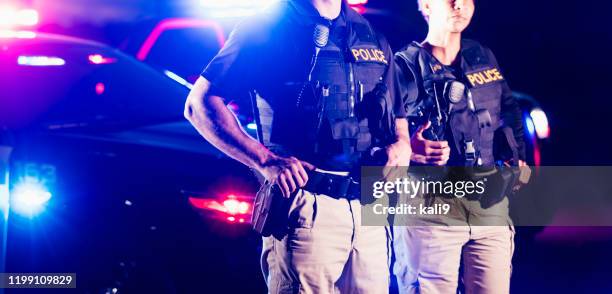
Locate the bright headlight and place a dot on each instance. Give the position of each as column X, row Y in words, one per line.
column 540, row 123
column 29, row 197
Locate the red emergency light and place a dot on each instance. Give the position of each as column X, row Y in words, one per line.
column 99, row 59
column 231, row 208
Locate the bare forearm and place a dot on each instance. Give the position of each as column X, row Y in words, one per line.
column 401, row 130
column 399, row 152
column 219, row 126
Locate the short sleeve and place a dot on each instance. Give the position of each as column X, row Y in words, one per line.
column 231, row 71
column 391, row 81
column 406, row 85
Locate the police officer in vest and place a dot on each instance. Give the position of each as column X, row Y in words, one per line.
column 456, row 99
column 322, row 83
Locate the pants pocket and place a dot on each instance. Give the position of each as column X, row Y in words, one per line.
column 287, row 287
column 302, row 211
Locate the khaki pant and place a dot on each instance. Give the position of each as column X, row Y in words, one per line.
column 429, row 253
column 428, row 258
column 327, row 250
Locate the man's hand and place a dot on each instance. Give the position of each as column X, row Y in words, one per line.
column 525, row 174
column 428, row 152
column 288, row 173
column 398, row 155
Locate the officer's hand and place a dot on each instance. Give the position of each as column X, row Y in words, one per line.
column 521, row 163
column 428, row 152
column 288, row 173
column 525, row 174
column 398, row 159
column 398, row 153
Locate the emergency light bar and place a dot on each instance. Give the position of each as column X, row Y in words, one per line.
column 11, row 17
column 241, row 8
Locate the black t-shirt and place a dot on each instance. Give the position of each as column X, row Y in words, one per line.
column 268, row 53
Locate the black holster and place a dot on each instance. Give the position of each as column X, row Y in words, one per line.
column 500, row 182
column 499, row 185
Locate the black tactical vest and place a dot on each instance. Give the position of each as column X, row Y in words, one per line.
column 469, row 120
column 334, row 118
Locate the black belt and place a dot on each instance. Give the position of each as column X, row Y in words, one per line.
column 335, row 186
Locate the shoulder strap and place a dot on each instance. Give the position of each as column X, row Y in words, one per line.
column 409, row 56
column 473, row 53
column 416, row 61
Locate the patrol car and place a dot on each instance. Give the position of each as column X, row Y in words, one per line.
column 101, row 175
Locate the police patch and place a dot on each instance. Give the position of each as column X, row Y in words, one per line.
column 484, row 77
column 369, row 55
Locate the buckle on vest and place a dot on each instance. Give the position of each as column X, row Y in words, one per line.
column 484, row 118
column 470, row 151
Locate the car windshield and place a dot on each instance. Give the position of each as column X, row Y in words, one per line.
column 62, row 85
column 191, row 49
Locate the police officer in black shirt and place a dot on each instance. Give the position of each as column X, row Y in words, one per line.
column 457, row 100
column 322, row 83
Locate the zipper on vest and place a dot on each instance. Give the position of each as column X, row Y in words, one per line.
column 351, row 87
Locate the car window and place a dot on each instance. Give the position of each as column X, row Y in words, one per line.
column 79, row 93
column 184, row 51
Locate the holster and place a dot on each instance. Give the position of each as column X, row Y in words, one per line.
column 500, row 182
column 270, row 210
column 499, row 185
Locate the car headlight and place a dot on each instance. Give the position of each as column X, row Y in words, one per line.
column 540, row 123
column 29, row 197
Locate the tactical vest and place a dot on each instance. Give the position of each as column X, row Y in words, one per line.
column 471, row 120
column 339, row 113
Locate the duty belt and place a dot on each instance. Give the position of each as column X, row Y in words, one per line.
column 335, row 186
